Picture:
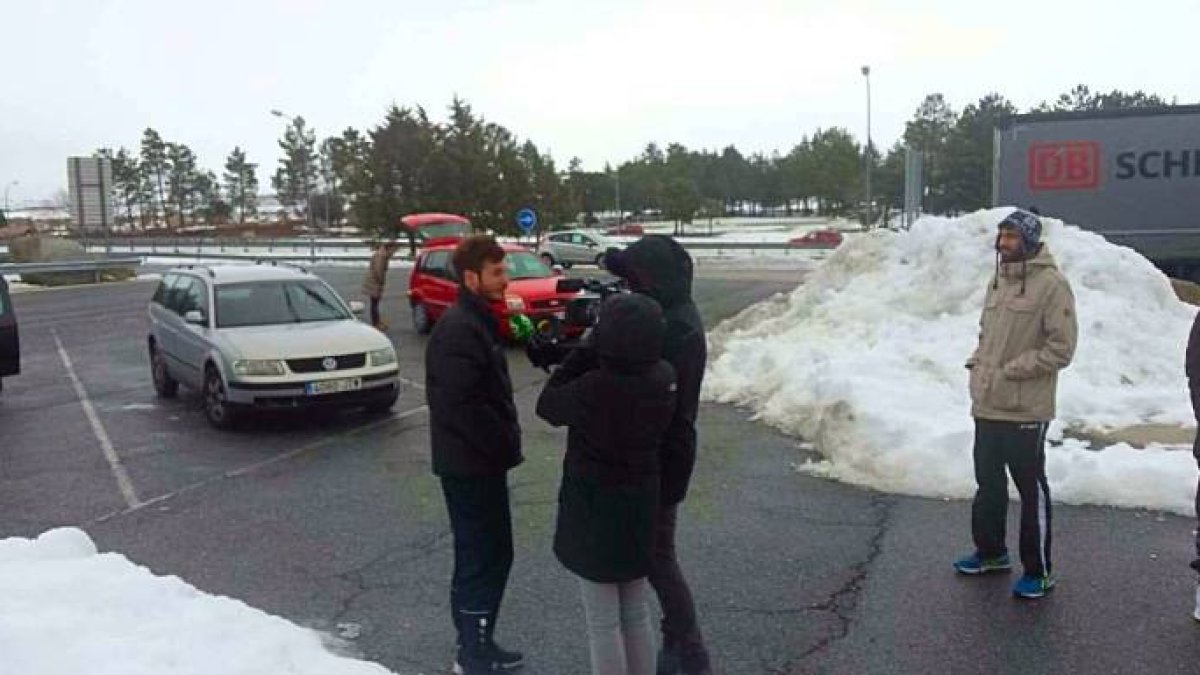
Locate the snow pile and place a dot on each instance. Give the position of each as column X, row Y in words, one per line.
column 866, row 360
column 65, row 609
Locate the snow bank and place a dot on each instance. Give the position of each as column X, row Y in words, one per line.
column 866, row 360
column 66, row 609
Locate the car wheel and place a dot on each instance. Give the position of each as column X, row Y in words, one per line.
column 420, row 318
column 384, row 403
column 217, row 408
column 548, row 259
column 600, row 261
column 165, row 386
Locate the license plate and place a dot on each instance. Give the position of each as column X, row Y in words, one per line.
column 333, row 386
column 561, row 315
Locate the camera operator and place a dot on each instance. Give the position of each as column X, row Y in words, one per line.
column 657, row 266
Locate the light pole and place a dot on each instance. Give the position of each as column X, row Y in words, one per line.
column 8, row 186
column 620, row 215
column 867, row 160
column 312, row 241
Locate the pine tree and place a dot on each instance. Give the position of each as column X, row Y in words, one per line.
column 241, row 184
column 181, row 178
column 154, row 170
column 128, row 185
column 295, row 178
column 928, row 132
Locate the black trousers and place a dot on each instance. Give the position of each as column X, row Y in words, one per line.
column 375, row 312
column 680, row 629
column 1018, row 447
column 481, row 524
column 1196, row 561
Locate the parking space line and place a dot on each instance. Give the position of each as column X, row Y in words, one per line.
column 114, row 462
column 411, row 383
column 250, row 468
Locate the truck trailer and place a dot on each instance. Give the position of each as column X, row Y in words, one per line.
column 1131, row 175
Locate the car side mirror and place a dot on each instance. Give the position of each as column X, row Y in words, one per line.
column 356, row 307
column 195, row 317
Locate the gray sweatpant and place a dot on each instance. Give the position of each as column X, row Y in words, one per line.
column 620, row 635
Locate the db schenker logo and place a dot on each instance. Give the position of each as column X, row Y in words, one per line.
column 1071, row 165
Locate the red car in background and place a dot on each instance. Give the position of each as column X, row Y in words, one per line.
column 626, row 230
column 817, row 239
column 433, row 284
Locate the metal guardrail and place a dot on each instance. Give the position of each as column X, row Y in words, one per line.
column 96, row 266
column 323, row 249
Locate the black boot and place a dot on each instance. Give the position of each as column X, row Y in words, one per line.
column 668, row 661
column 478, row 652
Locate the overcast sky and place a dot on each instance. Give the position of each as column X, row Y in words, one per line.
column 597, row 80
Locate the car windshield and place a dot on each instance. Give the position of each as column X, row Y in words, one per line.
column 266, row 303
column 439, row 230
column 525, row 266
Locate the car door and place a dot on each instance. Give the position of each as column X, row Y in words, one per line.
column 160, row 327
column 164, row 314
column 193, row 339
column 442, row 289
column 560, row 247
column 573, row 248
column 589, row 248
column 10, row 341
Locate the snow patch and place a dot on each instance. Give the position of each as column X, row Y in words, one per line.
column 866, row 360
column 68, row 609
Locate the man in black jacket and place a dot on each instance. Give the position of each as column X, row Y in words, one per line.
column 1192, row 370
column 657, row 266
column 476, row 439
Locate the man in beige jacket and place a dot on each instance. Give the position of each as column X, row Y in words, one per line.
column 1027, row 334
column 376, row 278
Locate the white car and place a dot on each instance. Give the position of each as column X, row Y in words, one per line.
column 572, row 247
column 265, row 336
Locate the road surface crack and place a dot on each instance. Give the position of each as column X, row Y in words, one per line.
column 843, row 602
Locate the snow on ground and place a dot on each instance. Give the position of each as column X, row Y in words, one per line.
column 866, row 360
column 68, row 609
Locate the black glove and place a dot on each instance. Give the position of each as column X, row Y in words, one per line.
column 544, row 352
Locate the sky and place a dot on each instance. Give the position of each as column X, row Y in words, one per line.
column 595, row 80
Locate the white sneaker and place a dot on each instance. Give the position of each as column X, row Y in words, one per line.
column 1196, row 611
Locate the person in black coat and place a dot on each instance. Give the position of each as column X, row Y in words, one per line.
column 657, row 266
column 1192, row 370
column 617, row 411
column 475, row 440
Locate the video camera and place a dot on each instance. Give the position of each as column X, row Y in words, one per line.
column 548, row 345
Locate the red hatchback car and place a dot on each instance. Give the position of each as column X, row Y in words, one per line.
column 817, row 239
column 532, row 289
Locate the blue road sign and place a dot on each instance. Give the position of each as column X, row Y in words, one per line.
column 526, row 220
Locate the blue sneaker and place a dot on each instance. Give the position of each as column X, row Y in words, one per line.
column 1031, row 587
column 974, row 564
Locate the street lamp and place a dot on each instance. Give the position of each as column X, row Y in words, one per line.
column 307, row 204
column 866, row 71
column 620, row 213
column 6, row 189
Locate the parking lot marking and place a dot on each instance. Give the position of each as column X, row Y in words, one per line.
column 411, row 383
column 241, row 471
column 110, row 453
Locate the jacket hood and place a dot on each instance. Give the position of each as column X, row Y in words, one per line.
column 629, row 330
column 1039, row 260
column 655, row 265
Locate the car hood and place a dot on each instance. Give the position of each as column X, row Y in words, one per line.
column 302, row 340
column 536, row 289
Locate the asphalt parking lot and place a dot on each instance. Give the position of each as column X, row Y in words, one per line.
column 335, row 522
